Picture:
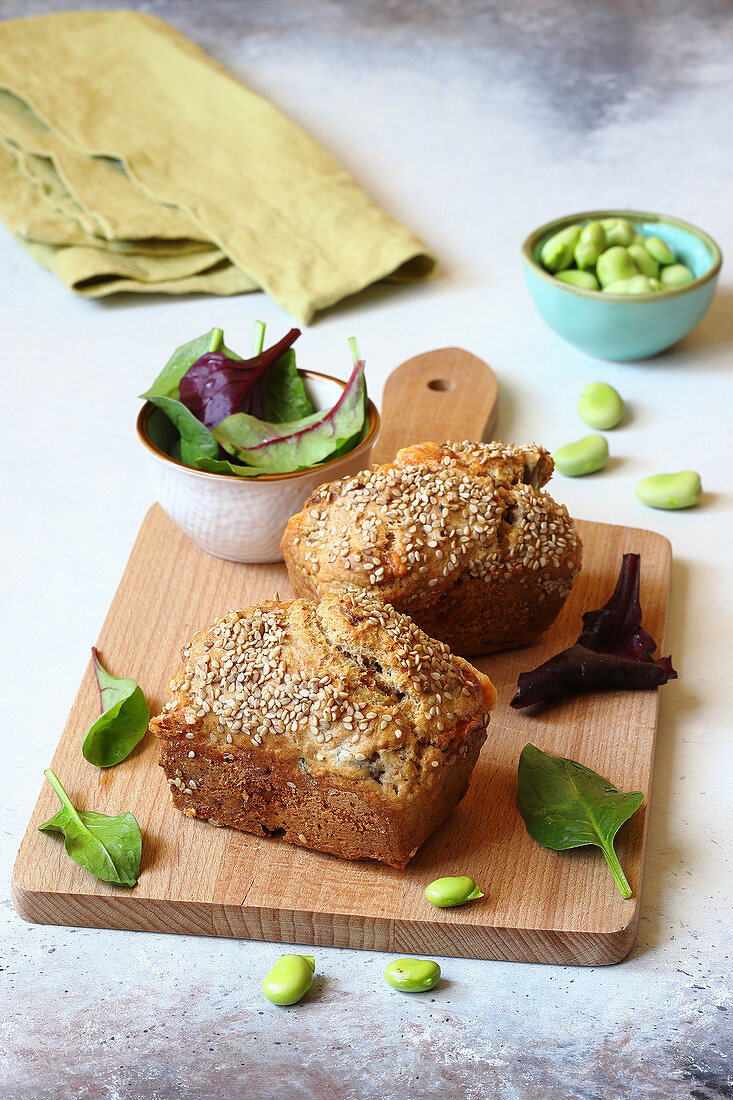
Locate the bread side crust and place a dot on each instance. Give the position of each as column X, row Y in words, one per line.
column 477, row 617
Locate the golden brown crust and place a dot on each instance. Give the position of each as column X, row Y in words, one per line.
column 341, row 727
column 460, row 536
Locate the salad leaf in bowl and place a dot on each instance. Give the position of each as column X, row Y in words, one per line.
column 235, row 446
column 247, row 417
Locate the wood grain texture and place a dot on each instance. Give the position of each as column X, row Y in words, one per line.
column 439, row 395
column 540, row 906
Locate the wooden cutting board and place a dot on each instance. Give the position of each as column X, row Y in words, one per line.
column 539, row 905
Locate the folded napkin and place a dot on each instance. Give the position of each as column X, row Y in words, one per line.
column 130, row 160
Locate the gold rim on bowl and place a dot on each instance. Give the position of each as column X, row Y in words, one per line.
column 373, row 419
column 549, row 228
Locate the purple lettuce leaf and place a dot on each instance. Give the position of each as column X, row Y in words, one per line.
column 216, row 386
column 613, row 650
column 278, row 448
column 581, row 669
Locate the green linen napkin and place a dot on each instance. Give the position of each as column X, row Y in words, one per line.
column 130, row 160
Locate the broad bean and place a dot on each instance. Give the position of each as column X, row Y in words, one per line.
column 644, row 261
column 621, row 286
column 448, row 892
column 618, row 231
column 585, row 456
column 584, row 279
column 413, row 975
column 290, row 979
column 661, row 251
column 639, row 284
column 612, row 256
column 557, row 252
column 614, row 264
column 591, row 242
column 600, row 406
column 670, row 491
column 676, row 275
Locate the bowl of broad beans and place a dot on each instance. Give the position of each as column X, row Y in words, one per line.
column 621, row 284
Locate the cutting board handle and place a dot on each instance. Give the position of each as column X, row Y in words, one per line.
column 441, row 395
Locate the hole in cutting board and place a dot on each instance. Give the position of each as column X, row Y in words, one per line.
column 441, row 384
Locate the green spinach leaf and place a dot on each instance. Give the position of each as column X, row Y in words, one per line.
column 566, row 805
column 196, row 441
column 109, row 847
column 285, row 396
column 122, row 723
column 166, row 384
column 224, row 466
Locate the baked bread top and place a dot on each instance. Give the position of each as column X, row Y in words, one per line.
column 348, row 687
column 436, row 512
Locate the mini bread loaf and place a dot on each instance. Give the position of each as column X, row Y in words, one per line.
column 339, row 726
column 459, row 536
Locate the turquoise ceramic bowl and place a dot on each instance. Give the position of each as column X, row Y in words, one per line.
column 625, row 326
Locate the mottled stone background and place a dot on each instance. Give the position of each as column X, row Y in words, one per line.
column 472, row 122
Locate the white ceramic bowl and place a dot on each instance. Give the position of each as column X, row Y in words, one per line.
column 238, row 518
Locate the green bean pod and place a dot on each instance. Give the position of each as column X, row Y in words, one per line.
column 290, row 979
column 670, row 491
column 449, row 892
column 585, row 456
column 413, row 975
column 557, row 252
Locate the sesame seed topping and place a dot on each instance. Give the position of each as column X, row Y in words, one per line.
column 348, row 685
column 467, row 507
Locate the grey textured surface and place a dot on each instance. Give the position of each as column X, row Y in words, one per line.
column 473, row 122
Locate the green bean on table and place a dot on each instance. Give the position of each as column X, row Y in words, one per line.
column 584, row 456
column 290, row 979
column 670, row 491
column 600, row 406
column 413, row 975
